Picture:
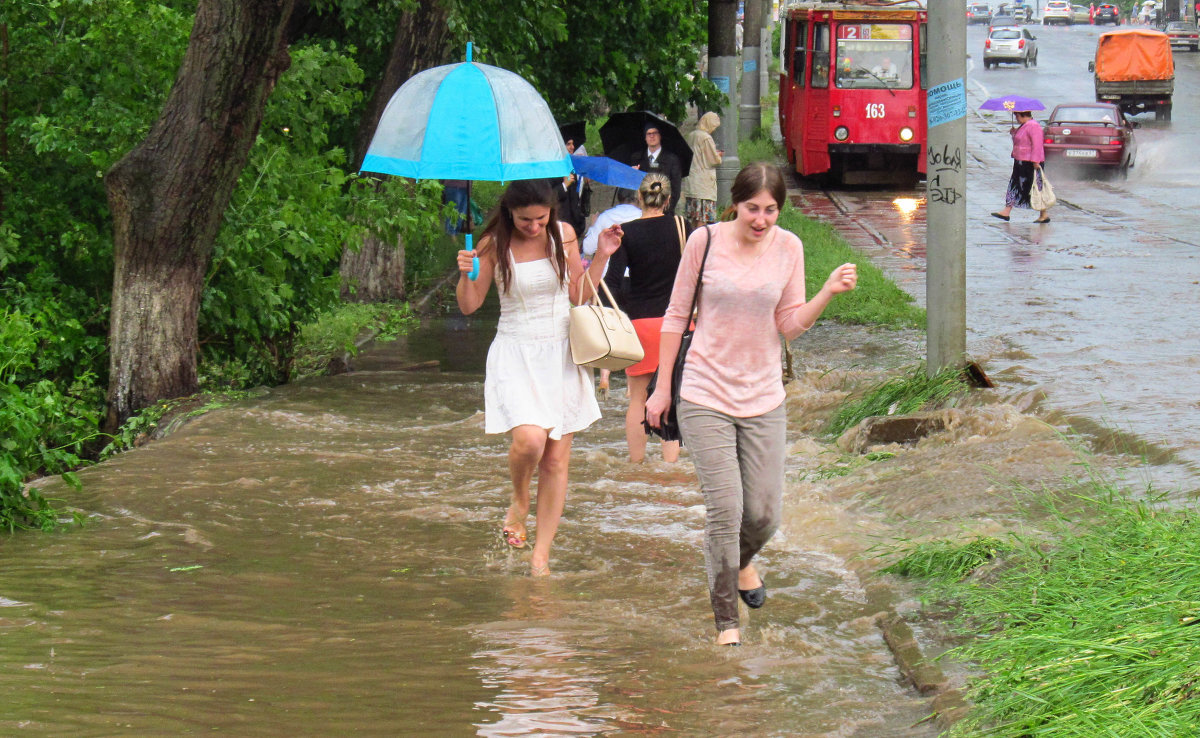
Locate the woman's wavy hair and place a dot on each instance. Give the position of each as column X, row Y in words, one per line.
column 500, row 226
column 655, row 191
column 753, row 179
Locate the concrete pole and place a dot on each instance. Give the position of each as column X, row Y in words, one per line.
column 723, row 64
column 750, row 110
column 946, row 188
column 765, row 55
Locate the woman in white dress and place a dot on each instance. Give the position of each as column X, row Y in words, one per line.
column 532, row 389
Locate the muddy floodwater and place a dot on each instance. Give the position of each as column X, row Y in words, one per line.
column 324, row 559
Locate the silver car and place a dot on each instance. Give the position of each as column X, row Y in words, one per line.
column 1011, row 44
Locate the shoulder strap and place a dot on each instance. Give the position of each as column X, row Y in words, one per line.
column 700, row 274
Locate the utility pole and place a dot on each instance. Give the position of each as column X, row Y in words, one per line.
column 765, row 55
column 946, row 188
column 750, row 111
column 723, row 63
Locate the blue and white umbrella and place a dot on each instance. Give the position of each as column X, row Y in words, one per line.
column 467, row 121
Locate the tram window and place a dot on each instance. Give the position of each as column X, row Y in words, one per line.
column 798, row 52
column 874, row 56
column 820, row 56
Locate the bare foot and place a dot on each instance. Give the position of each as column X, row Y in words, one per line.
column 748, row 578
column 514, row 532
column 730, row 637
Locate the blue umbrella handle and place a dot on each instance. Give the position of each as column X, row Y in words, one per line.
column 475, row 260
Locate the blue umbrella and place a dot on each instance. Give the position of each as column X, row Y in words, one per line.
column 467, row 121
column 608, row 171
column 1012, row 104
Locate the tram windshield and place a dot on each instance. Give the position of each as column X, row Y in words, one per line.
column 874, row 56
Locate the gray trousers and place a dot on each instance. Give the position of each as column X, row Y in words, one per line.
column 740, row 465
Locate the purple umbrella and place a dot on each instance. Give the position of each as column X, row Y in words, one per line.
column 1012, row 104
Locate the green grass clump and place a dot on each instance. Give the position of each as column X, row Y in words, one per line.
column 876, row 301
column 947, row 560
column 900, row 395
column 1098, row 635
column 759, row 147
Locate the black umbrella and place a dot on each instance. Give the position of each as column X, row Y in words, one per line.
column 623, row 136
column 576, row 132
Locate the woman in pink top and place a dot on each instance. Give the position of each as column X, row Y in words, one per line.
column 731, row 409
column 1028, row 157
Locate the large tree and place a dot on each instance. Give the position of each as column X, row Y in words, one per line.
column 168, row 197
column 374, row 270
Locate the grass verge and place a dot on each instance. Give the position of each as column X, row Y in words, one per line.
column 876, row 301
column 1092, row 635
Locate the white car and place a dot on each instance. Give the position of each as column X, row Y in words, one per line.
column 1057, row 11
column 1012, row 45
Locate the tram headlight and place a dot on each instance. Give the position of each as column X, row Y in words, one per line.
column 841, row 133
column 906, row 134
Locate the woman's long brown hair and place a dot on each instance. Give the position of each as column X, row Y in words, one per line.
column 520, row 194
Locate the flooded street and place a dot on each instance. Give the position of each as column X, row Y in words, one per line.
column 1097, row 309
column 325, row 560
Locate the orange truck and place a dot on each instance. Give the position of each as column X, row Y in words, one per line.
column 1135, row 70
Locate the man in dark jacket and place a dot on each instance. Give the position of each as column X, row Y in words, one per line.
column 654, row 158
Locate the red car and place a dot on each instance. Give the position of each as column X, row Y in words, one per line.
column 1092, row 135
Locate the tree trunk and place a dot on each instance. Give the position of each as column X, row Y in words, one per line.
column 169, row 194
column 375, row 271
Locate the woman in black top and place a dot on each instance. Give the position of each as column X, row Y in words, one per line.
column 650, row 248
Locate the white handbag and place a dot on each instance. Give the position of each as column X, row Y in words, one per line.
column 602, row 337
column 1041, row 194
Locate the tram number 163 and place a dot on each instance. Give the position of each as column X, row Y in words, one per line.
column 874, row 110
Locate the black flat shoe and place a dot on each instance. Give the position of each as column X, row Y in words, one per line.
column 1001, row 217
column 757, row 597
column 1046, row 220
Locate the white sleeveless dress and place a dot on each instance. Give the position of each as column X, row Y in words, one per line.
column 531, row 379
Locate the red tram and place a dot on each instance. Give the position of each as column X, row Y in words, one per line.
column 852, row 90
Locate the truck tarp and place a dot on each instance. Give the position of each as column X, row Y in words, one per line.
column 1134, row 54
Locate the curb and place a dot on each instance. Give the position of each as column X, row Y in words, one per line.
column 948, row 703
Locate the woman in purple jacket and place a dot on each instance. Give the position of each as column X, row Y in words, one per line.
column 1028, row 156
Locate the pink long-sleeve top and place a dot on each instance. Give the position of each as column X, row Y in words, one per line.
column 1027, row 142
column 747, row 299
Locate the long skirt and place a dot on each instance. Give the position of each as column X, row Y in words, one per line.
column 1019, row 185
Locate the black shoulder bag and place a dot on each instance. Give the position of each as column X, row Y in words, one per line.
column 669, row 429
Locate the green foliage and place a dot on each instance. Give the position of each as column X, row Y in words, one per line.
column 947, row 560
column 586, row 57
column 900, row 395
column 338, row 331
column 876, row 301
column 1093, row 636
column 275, row 264
column 45, row 428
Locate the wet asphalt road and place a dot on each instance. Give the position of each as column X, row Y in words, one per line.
column 1100, row 309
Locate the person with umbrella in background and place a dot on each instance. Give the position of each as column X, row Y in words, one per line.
column 572, row 201
column 532, row 388
column 700, row 186
column 654, row 158
column 1028, row 156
